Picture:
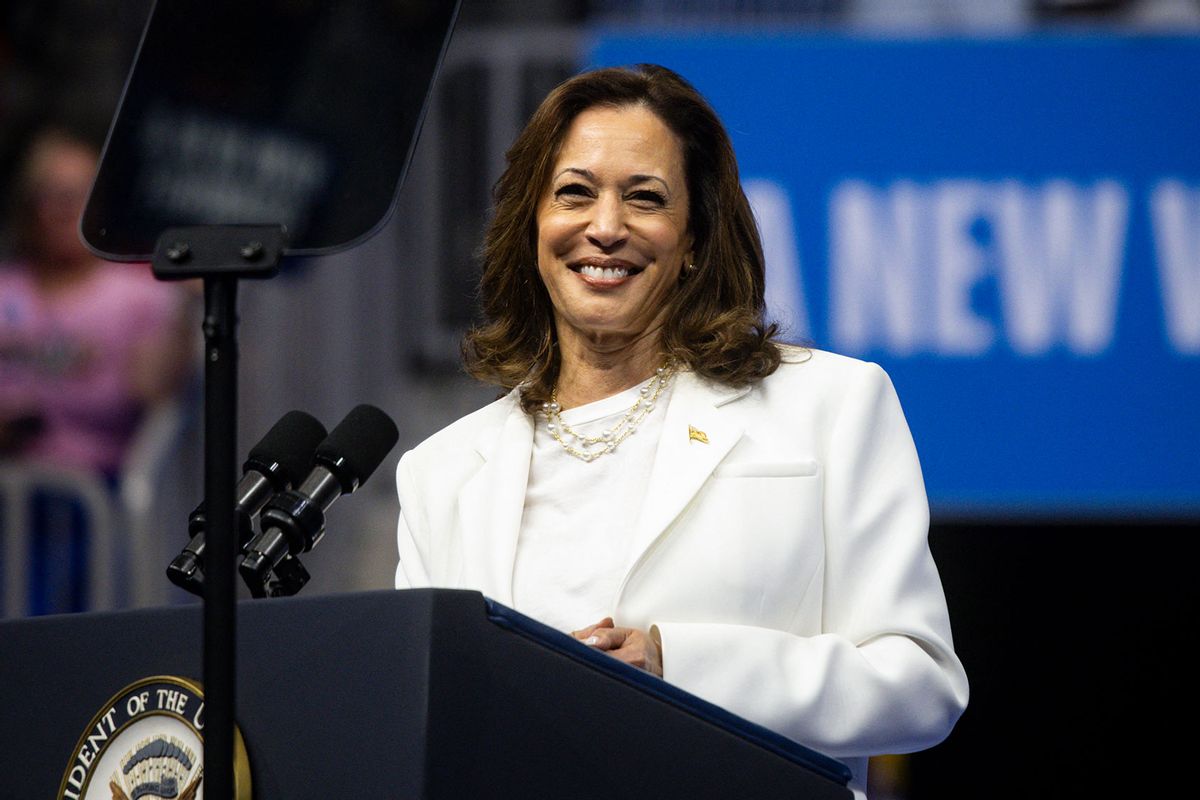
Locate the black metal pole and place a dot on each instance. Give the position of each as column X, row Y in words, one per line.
column 220, row 476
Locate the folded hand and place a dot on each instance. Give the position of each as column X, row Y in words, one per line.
column 630, row 645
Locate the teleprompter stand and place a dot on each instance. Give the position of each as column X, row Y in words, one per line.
column 220, row 255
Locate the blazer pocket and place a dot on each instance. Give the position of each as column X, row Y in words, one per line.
column 766, row 469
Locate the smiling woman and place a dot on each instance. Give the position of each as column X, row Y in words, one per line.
column 761, row 540
column 612, row 242
column 713, row 324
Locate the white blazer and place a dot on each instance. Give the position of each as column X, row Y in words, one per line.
column 784, row 561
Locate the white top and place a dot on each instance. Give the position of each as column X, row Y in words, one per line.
column 576, row 536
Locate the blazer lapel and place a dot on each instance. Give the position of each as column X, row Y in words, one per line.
column 696, row 436
column 491, row 503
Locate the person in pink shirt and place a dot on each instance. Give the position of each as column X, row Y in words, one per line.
column 86, row 346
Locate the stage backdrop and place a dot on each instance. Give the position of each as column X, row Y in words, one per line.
column 1011, row 227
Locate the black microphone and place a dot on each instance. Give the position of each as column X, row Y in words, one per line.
column 294, row 521
column 274, row 465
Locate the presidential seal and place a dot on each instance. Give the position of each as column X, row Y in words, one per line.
column 147, row 743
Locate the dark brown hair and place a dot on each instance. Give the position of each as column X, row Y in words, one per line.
column 715, row 325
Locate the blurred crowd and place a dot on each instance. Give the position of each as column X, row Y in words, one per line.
column 88, row 349
column 86, row 346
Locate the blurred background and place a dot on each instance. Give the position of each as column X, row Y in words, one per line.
column 997, row 200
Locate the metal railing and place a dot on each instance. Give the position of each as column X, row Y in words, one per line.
column 23, row 487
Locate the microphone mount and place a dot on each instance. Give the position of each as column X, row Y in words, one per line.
column 293, row 522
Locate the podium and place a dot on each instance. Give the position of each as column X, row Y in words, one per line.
column 417, row 694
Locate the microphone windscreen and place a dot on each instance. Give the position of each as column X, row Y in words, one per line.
column 358, row 444
column 285, row 453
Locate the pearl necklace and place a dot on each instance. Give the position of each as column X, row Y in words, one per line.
column 589, row 448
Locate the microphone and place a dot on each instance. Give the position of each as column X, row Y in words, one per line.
column 274, row 465
column 294, row 521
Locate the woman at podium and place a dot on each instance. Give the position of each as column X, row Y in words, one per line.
column 663, row 478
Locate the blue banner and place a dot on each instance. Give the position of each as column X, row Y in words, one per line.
column 1011, row 227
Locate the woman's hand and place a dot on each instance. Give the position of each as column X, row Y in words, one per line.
column 633, row 646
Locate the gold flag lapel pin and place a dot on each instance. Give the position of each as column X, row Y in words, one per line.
column 697, row 435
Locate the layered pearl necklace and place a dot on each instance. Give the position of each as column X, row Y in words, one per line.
column 589, row 448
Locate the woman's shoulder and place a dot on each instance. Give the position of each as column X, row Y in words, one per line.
column 818, row 388
column 810, row 367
